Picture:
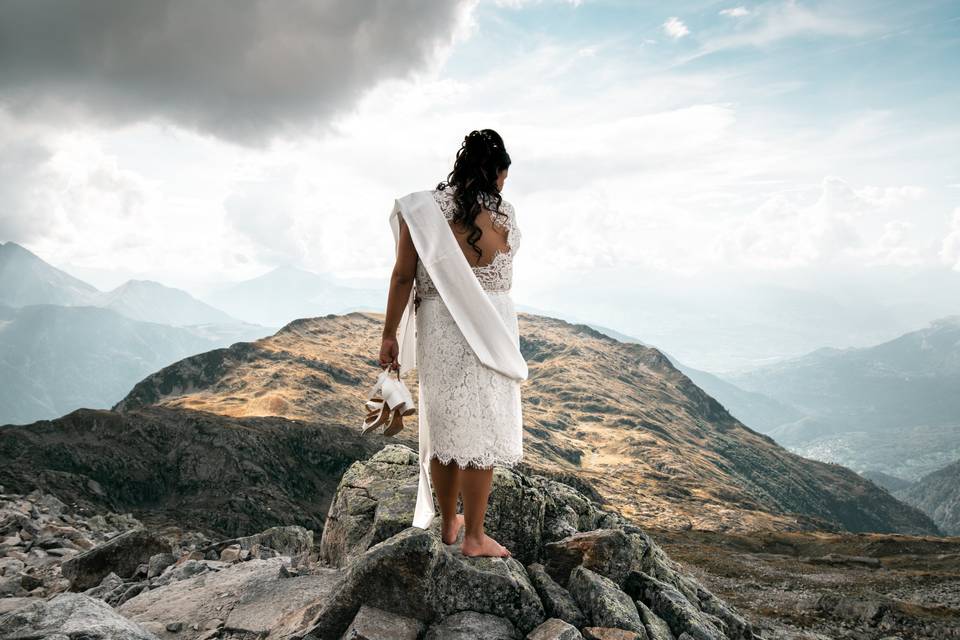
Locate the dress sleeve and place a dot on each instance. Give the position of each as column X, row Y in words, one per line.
column 514, row 236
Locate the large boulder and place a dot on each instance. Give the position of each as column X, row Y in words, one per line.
column 657, row 628
column 673, row 607
column 371, row 623
column 122, row 555
column 603, row 602
column 414, row 574
column 609, row 552
column 376, row 498
column 70, row 615
column 471, row 625
column 253, row 598
column 557, row 601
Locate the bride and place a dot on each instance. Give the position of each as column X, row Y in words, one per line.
column 465, row 343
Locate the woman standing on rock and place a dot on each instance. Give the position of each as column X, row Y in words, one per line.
column 454, row 261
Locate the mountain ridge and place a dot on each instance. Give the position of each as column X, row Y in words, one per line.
column 593, row 406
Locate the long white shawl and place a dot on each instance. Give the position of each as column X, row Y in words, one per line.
column 469, row 306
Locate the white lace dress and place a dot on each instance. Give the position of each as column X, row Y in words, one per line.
column 473, row 412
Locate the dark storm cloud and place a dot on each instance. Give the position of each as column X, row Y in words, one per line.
column 239, row 69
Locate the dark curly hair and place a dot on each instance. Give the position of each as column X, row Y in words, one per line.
column 481, row 158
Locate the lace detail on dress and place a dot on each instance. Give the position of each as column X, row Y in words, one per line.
column 495, row 276
column 474, row 413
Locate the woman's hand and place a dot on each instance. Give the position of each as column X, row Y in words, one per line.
column 389, row 353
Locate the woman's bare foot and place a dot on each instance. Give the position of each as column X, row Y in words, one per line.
column 485, row 546
column 449, row 534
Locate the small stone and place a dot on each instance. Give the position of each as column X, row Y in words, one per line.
column 29, row 582
column 469, row 625
column 230, row 554
column 158, row 562
column 609, row 633
column 555, row 629
column 174, row 627
column 371, row 623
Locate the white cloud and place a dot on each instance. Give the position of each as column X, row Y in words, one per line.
column 950, row 248
column 735, row 12
column 519, row 4
column 781, row 21
column 675, row 28
column 844, row 226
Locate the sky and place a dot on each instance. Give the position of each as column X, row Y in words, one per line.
column 665, row 155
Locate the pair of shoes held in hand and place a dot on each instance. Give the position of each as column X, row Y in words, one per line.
column 389, row 409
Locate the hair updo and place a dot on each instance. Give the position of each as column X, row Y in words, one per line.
column 480, row 159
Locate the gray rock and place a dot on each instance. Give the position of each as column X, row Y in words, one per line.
column 10, row 566
column 657, row 564
column 609, row 552
column 374, row 501
column 10, row 604
column 376, row 498
column 109, row 588
column 603, row 602
column 555, row 629
column 557, row 601
column 515, row 514
column 735, row 626
column 657, row 628
column 187, row 569
column 470, row 625
column 121, row 555
column 158, row 563
column 608, row 633
column 230, row 554
column 71, row 615
column 415, row 575
column 251, row 595
column 10, row 586
column 293, row 541
column 670, row 604
column 371, row 623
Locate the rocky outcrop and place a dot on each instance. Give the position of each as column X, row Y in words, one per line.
column 67, row 616
column 376, row 577
column 591, row 554
column 122, row 556
column 226, row 477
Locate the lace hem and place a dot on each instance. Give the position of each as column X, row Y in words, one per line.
column 479, row 462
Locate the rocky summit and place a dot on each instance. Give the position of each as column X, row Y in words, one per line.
column 578, row 570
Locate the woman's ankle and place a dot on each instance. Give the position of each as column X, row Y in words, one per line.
column 475, row 536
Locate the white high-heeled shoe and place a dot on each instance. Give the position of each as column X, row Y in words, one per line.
column 396, row 400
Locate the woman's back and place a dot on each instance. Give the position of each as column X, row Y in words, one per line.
column 499, row 243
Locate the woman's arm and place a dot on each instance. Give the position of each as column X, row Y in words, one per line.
column 401, row 281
